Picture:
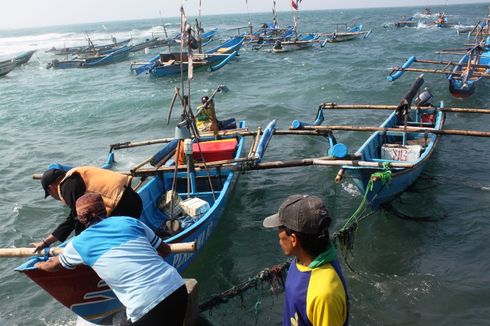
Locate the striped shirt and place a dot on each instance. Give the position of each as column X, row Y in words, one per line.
column 122, row 252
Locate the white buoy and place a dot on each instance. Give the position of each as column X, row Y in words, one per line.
column 147, row 50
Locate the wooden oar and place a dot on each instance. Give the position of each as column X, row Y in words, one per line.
column 175, row 248
column 335, row 106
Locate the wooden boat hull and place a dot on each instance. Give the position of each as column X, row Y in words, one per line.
column 302, row 43
column 401, row 179
column 95, row 61
column 462, row 87
column 24, row 57
column 7, row 66
column 343, row 37
column 82, row 291
column 211, row 57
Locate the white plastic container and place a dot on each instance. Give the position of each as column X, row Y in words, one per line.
column 194, row 207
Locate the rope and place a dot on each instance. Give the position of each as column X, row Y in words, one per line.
column 345, row 236
column 274, row 276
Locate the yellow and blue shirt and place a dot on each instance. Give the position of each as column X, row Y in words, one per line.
column 315, row 296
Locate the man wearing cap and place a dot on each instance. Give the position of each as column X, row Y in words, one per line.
column 125, row 253
column 315, row 290
column 67, row 186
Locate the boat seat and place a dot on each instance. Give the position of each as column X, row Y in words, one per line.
column 223, row 50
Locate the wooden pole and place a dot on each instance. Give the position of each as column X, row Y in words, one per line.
column 473, row 133
column 451, row 63
column 440, row 71
column 141, row 143
column 183, row 247
column 174, row 98
column 340, row 175
column 335, row 106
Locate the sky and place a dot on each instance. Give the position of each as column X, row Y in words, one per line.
column 34, row 13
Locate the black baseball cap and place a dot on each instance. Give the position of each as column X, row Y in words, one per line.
column 50, row 176
column 301, row 213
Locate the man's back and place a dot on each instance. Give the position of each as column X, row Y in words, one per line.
column 314, row 296
column 122, row 252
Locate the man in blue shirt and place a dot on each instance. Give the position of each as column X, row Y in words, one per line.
column 125, row 253
column 315, row 290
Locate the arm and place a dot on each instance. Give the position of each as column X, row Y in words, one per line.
column 38, row 246
column 52, row 265
column 71, row 190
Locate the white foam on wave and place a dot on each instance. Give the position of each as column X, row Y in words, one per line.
column 351, row 189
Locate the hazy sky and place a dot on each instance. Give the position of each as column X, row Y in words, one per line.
column 31, row 13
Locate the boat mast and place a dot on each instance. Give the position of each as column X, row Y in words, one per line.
column 275, row 21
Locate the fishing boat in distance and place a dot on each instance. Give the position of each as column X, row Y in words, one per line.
column 90, row 48
column 405, row 21
column 463, row 76
column 167, row 64
column 7, row 66
column 85, row 61
column 344, row 33
column 24, row 57
column 441, row 20
column 299, row 43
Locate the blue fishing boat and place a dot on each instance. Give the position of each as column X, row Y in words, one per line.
column 7, row 66
column 90, row 48
column 167, row 64
column 92, row 61
column 346, row 33
column 180, row 204
column 402, row 144
column 473, row 67
column 204, row 38
column 300, row 43
column 414, row 148
column 24, row 57
column 441, row 20
column 153, row 42
column 463, row 76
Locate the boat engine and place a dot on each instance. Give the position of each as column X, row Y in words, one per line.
column 423, row 99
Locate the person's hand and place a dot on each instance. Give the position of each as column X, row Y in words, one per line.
column 38, row 246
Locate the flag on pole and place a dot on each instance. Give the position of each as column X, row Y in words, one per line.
column 295, row 4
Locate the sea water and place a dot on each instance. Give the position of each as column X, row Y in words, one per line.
column 403, row 272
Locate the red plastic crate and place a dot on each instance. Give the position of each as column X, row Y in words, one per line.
column 215, row 150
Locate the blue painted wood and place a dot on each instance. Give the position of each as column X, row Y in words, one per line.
column 402, row 178
column 94, row 301
column 462, row 86
column 399, row 73
column 215, row 55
